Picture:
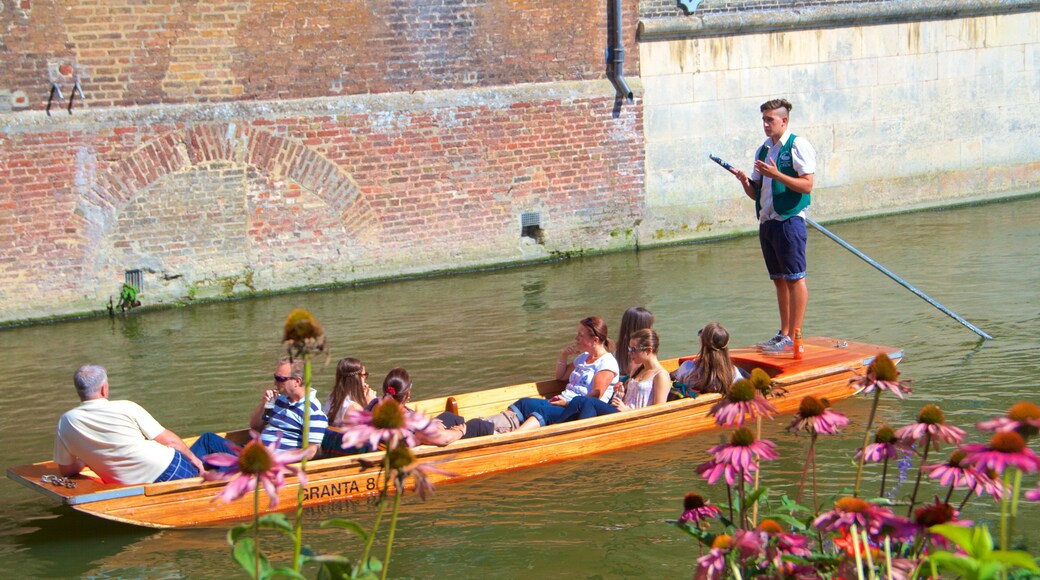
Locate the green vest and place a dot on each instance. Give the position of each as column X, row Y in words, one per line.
column 786, row 202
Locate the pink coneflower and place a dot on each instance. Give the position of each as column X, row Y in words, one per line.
column 1033, row 494
column 388, row 421
column 738, row 458
column 885, row 446
column 1006, row 449
column 695, row 509
column 882, row 376
column 712, row 566
column 782, row 544
column 931, row 423
column 853, row 510
column 749, row 544
column 742, row 402
column 955, row 474
column 402, row 465
column 815, row 416
column 1023, row 418
column 253, row 463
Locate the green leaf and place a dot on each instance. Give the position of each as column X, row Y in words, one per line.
column 334, row 571
column 236, row 532
column 1016, row 558
column 371, row 569
column 754, row 495
column 277, row 521
column 284, row 572
column 989, row 570
column 244, row 554
column 347, row 525
column 956, row 534
column 963, row 565
column 981, row 543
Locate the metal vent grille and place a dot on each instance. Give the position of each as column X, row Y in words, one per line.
column 530, row 218
column 134, row 278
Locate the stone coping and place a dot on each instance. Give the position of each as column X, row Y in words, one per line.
column 713, row 24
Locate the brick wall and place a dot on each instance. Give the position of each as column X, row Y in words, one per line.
column 136, row 52
column 308, row 192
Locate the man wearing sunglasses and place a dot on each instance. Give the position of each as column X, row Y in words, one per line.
column 279, row 416
column 286, row 417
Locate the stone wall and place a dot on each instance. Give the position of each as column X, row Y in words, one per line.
column 912, row 111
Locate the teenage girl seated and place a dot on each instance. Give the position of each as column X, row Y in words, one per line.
column 712, row 371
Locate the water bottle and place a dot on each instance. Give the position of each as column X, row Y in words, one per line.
column 797, row 354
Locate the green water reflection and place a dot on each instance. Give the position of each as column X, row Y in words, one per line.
column 202, row 368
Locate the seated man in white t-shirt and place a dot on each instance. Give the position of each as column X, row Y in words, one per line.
column 118, row 440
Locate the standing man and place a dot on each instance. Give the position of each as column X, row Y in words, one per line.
column 118, row 440
column 780, row 185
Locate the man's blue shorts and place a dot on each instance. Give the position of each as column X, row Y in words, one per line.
column 783, row 247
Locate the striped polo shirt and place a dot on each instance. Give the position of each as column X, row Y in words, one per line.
column 287, row 420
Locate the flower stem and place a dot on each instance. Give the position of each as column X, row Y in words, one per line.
column 393, row 527
column 866, row 440
column 743, row 508
column 1004, row 528
column 256, row 528
column 884, row 475
column 758, row 437
column 810, row 458
column 920, row 472
column 304, row 443
column 856, row 551
column 1014, row 502
column 382, row 508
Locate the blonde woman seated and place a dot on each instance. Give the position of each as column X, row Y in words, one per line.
column 649, row 383
column 712, row 371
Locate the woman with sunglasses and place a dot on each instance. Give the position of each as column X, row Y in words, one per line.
column 649, row 383
column 712, row 371
column 591, row 373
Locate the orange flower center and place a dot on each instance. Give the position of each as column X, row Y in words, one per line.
column 931, row 415
column 885, row 434
column 255, row 458
column 693, row 501
column 388, row 414
column 811, row 407
column 1023, row 411
column 770, row 527
column 742, row 391
column 721, row 541
column 883, row 368
column 852, row 504
column 1009, row 442
column 742, row 437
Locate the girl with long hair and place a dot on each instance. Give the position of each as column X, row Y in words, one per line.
column 713, row 371
column 350, row 392
column 635, row 318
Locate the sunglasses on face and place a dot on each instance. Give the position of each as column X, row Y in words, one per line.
column 635, row 349
column 281, row 379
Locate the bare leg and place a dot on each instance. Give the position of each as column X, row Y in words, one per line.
column 783, row 301
column 798, row 298
column 528, row 424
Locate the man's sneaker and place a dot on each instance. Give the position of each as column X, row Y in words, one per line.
column 785, row 344
column 771, row 341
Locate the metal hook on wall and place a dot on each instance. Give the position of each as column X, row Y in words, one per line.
column 55, row 89
column 72, row 95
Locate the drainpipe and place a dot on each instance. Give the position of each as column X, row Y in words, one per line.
column 616, row 51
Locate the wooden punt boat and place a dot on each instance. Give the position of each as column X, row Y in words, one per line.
column 823, row 371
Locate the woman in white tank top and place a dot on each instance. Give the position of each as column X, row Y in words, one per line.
column 649, row 383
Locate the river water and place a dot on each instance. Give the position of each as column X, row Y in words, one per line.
column 202, row 368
